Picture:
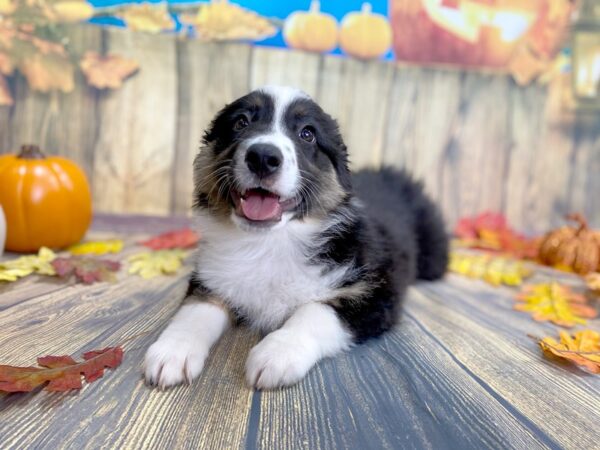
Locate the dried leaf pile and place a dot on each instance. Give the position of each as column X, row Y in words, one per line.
column 494, row 270
column 26, row 265
column 87, row 270
column 160, row 262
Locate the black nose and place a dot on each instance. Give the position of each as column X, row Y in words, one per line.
column 263, row 159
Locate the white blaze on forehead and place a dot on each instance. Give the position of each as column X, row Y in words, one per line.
column 288, row 180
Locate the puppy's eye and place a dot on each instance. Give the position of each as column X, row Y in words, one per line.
column 308, row 134
column 241, row 123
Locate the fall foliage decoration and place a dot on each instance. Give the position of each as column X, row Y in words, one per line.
column 570, row 248
column 184, row 238
column 60, row 373
column 108, row 71
column 490, row 231
column 152, row 264
column 312, row 31
column 220, row 20
column 46, row 200
column 97, row 247
column 555, row 303
column 582, row 349
column 365, row 35
column 494, row 270
column 592, row 281
column 86, row 269
column 148, row 17
column 14, row 269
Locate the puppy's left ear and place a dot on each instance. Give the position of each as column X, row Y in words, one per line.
column 218, row 127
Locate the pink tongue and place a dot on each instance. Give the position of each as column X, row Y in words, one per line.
column 261, row 207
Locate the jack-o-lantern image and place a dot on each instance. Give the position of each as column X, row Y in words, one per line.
column 471, row 32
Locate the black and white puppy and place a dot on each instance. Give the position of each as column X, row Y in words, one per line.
column 292, row 244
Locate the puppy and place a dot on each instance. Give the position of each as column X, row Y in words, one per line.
column 292, row 244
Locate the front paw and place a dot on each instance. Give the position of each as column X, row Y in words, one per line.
column 171, row 361
column 282, row 358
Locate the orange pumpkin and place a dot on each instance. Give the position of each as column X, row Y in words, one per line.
column 46, row 200
column 365, row 35
column 312, row 31
column 572, row 248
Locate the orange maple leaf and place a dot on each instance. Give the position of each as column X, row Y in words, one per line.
column 62, row 373
column 583, row 348
column 107, row 71
column 555, row 303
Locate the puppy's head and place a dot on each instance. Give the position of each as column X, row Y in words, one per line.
column 270, row 157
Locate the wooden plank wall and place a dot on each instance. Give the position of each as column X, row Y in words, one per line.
column 478, row 140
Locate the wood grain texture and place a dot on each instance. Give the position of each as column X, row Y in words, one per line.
column 136, row 146
column 457, row 372
column 209, row 76
column 479, row 141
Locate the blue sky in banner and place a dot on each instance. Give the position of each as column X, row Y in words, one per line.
column 279, row 9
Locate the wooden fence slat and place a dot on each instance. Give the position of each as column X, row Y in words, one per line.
column 209, row 76
column 282, row 67
column 136, row 146
column 62, row 124
column 357, row 93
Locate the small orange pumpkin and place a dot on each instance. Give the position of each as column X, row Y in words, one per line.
column 46, row 200
column 313, row 31
column 572, row 248
column 365, row 35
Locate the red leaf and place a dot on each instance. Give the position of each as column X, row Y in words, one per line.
column 184, row 238
column 62, row 373
column 87, row 269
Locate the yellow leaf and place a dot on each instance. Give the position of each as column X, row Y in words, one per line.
column 493, row 270
column 107, row 71
column 25, row 265
column 72, row 10
column 583, row 348
column 97, row 247
column 46, row 72
column 7, row 7
column 554, row 303
column 148, row 17
column 593, row 282
column 152, row 264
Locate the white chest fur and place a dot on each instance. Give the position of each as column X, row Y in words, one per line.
column 263, row 275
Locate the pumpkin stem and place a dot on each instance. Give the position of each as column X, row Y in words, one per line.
column 315, row 6
column 30, row 151
column 576, row 217
column 366, row 8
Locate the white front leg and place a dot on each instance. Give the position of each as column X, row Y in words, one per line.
column 286, row 355
column 179, row 353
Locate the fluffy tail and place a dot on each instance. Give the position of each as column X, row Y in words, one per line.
column 401, row 205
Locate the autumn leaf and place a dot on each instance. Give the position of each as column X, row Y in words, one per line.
column 97, row 247
column 47, row 72
column 184, row 238
column 555, row 303
column 13, row 269
column 152, row 264
column 108, row 71
column 62, row 373
column 86, row 269
column 72, row 10
column 493, row 270
column 592, row 281
column 491, row 232
column 583, row 348
column 148, row 17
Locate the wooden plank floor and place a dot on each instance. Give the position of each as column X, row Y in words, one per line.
column 457, row 372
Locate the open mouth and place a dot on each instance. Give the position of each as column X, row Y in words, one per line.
column 261, row 205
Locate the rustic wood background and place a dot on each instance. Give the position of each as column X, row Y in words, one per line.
column 479, row 141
